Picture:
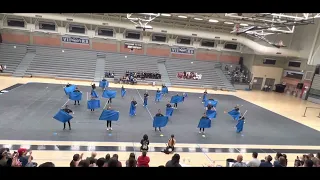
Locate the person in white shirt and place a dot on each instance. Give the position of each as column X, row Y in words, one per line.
column 255, row 162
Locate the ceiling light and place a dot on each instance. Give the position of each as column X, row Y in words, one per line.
column 184, row 17
column 228, row 22
column 167, row 15
column 199, row 19
column 213, row 20
column 244, row 24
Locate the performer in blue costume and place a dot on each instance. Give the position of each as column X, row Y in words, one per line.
column 175, row 105
column 159, row 114
column 93, row 86
column 94, row 94
column 69, row 88
column 204, row 97
column 164, row 89
column 75, row 102
column 235, row 112
column 109, row 94
column 145, row 99
column 133, row 107
column 204, row 122
column 103, row 83
column 158, row 95
column 111, row 116
column 123, row 91
column 211, row 112
column 67, row 110
column 93, row 104
column 184, row 95
column 169, row 110
column 240, row 123
column 213, row 102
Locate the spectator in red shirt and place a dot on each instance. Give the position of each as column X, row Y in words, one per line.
column 143, row 160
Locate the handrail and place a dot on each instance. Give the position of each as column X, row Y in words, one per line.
column 305, row 111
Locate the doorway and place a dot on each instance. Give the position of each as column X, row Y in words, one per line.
column 270, row 82
column 257, row 83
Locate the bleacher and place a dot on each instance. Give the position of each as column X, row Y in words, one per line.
column 211, row 78
column 119, row 64
column 63, row 63
column 11, row 57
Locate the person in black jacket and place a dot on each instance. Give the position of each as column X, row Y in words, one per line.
column 267, row 163
column 144, row 143
column 67, row 110
column 76, row 90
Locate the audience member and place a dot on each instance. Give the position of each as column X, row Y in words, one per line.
column 239, row 162
column 143, row 160
column 174, row 162
column 101, row 162
column 267, row 162
column 47, row 164
column 113, row 163
column 308, row 163
column 116, row 157
column 255, row 162
column 84, row 163
column 93, row 157
column 75, row 160
column 281, row 162
column 131, row 162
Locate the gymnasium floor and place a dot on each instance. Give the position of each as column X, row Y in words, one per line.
column 266, row 132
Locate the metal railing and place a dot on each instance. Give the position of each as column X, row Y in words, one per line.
column 305, row 111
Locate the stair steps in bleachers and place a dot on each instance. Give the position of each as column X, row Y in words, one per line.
column 24, row 64
column 11, row 55
column 227, row 83
column 164, row 74
column 100, row 65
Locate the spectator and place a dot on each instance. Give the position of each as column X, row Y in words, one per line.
column 254, row 162
column 47, row 164
column 267, row 162
column 75, row 160
column 174, row 162
column 131, row 157
column 101, row 162
column 84, row 163
column 25, row 160
column 281, row 162
column 3, row 157
column 239, row 162
column 116, row 157
column 276, row 159
column 308, row 163
column 143, row 160
column 113, row 163
column 285, row 157
column 315, row 161
column 92, row 158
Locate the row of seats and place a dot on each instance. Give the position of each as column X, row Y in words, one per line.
column 11, row 56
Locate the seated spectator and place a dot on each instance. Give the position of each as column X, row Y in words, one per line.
column 308, row 163
column 255, row 162
column 75, row 160
column 174, row 162
column 25, row 160
column 84, row 163
column 93, row 157
column 239, row 162
column 131, row 162
column 113, row 163
column 107, row 157
column 281, row 162
column 170, row 147
column 116, row 157
column 47, row 164
column 276, row 159
column 3, row 157
column 101, row 161
column 143, row 160
column 267, row 162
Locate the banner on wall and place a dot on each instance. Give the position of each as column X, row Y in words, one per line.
column 75, row 40
column 182, row 50
column 131, row 45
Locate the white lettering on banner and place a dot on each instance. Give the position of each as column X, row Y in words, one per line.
column 76, row 40
column 182, row 50
column 132, row 45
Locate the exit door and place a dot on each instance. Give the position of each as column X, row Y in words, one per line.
column 270, row 82
column 257, row 83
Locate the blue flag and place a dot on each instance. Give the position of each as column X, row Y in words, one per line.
column 132, row 110
column 160, row 121
column 213, row 103
column 204, row 123
column 169, row 111
column 211, row 114
column 109, row 94
column 69, row 89
column 234, row 114
column 239, row 125
column 109, row 115
column 62, row 116
column 76, row 96
column 123, row 92
column 94, row 94
column 93, row 104
column 164, row 90
column 158, row 96
column 176, row 99
column 204, row 97
column 103, row 84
